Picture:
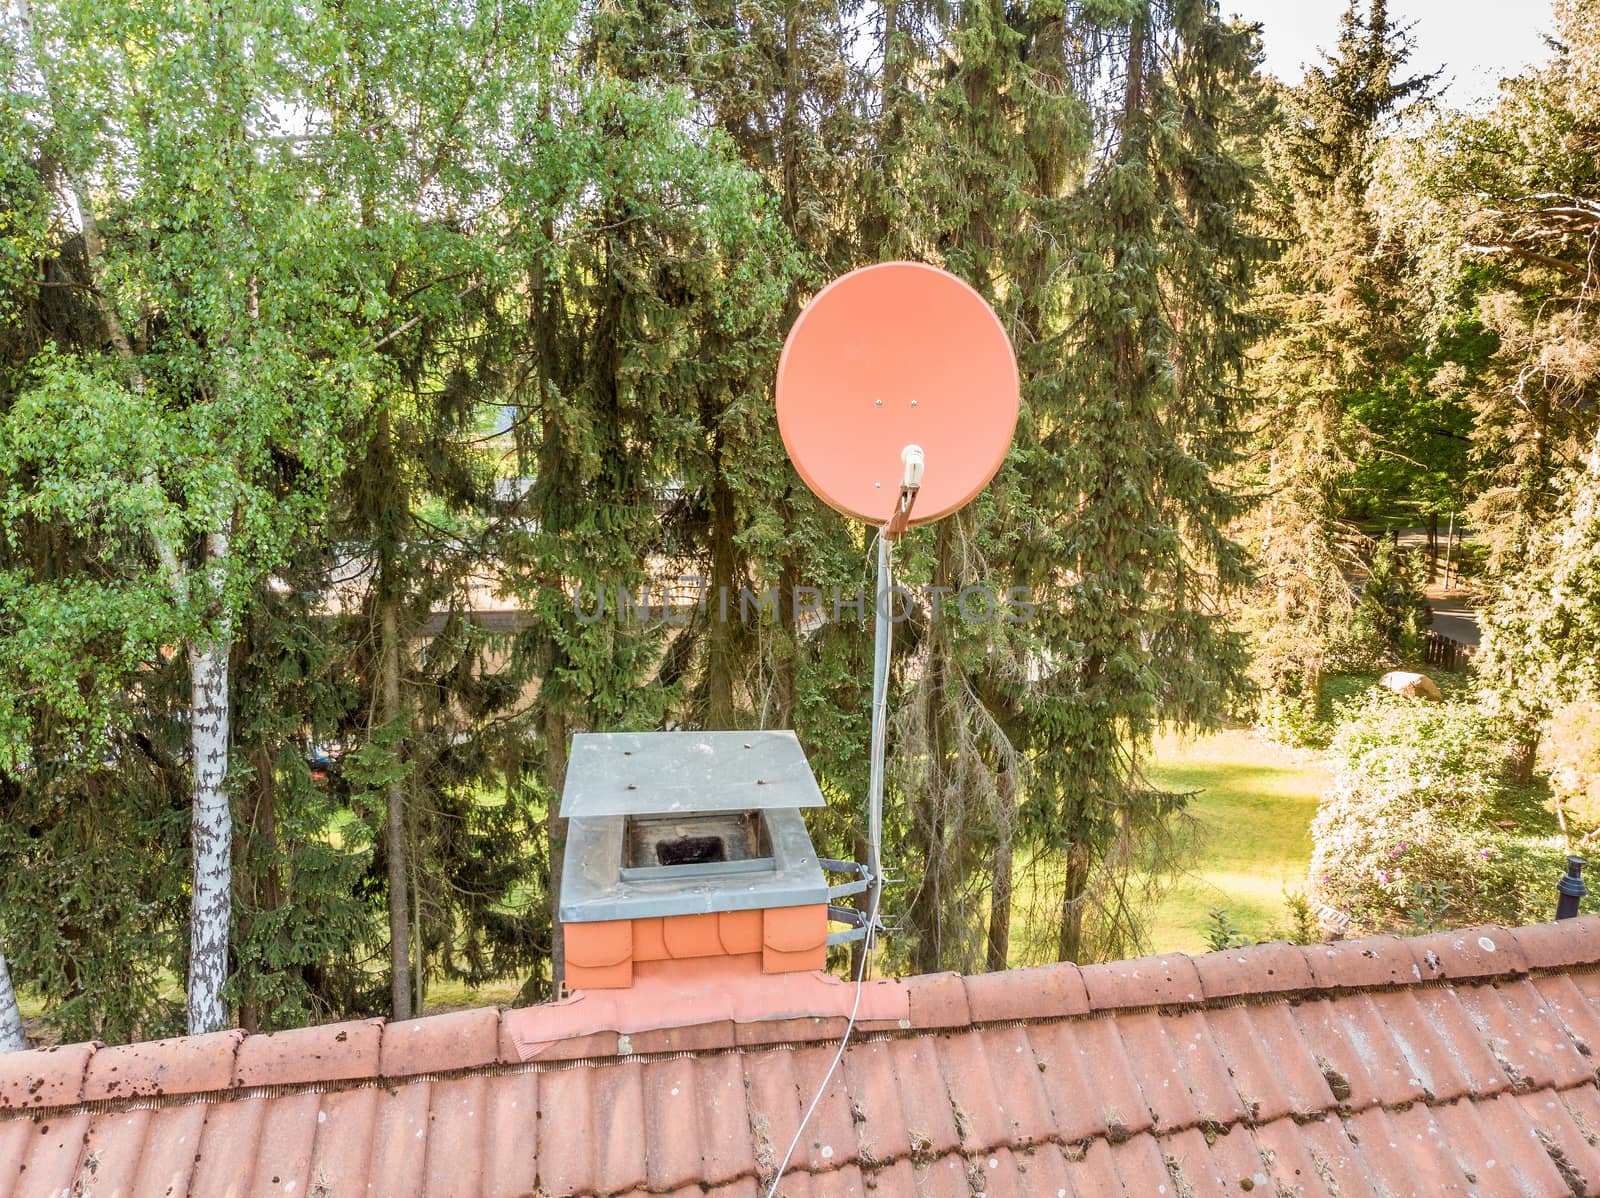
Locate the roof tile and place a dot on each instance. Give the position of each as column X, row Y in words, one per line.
column 1044, row 1171
column 510, row 1158
column 1026, row 1104
column 346, row 1133
column 44, row 1077
column 331, row 1052
column 671, row 1122
column 1335, row 1160
column 1467, row 953
column 1110, row 1089
column 1203, row 1068
column 997, row 1173
column 1095, row 1173
column 1293, row 1058
column 1583, row 1104
column 439, row 1043
column 1142, row 1167
column 1560, row 945
column 1526, row 1036
column 1196, row 1171
column 1428, row 1155
column 1255, row 1070
column 1507, row 1141
column 1360, row 1062
column 185, row 1065
column 55, row 1151
column 1355, row 964
column 172, row 1145
column 226, row 1152
column 1160, row 1079
column 400, row 1139
column 938, row 1000
column 1438, row 1037
column 1569, row 1004
column 1307, row 1158
column 1142, row 982
column 1572, row 1154
column 1256, row 969
column 924, row 1101
column 458, row 1127
column 830, row 1138
column 283, row 1147
column 944, row 1178
column 566, row 1146
column 697, row 1037
column 617, row 1150
column 111, row 1153
column 1041, row 992
column 15, row 1136
column 964, row 1063
column 725, row 1146
column 761, row 1032
column 874, row 1090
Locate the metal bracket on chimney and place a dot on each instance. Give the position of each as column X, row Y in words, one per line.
column 857, row 920
column 853, row 868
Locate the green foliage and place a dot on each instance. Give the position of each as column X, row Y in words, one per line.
column 1221, row 934
column 1570, row 751
column 1406, row 833
column 1391, row 614
column 1301, row 920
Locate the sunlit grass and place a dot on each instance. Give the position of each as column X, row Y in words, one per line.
column 1254, row 808
column 1252, row 804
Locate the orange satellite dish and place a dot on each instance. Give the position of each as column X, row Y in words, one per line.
column 890, row 356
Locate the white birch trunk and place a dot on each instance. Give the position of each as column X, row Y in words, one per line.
column 212, row 832
column 11, row 1037
column 211, row 909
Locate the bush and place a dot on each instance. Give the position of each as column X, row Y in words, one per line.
column 1403, row 838
column 1570, row 750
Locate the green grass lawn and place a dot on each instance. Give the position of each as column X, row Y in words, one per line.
column 1254, row 808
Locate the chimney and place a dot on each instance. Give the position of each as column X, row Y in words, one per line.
column 686, row 852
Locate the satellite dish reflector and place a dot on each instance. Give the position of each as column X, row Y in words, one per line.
column 890, row 356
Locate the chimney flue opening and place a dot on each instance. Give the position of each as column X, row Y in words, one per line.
column 672, row 846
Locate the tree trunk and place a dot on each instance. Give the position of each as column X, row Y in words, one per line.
column 1433, row 546
column 1000, row 904
column 725, row 606
column 395, row 798
column 212, row 831
column 555, row 773
column 1524, row 757
column 11, row 1037
column 1069, row 946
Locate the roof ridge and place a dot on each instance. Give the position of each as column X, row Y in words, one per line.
column 486, row 1038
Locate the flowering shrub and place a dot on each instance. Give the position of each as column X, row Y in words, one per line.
column 1402, row 838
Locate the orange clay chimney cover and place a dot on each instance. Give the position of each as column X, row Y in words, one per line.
column 897, row 354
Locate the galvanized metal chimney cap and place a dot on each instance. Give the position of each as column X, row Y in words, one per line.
column 658, row 773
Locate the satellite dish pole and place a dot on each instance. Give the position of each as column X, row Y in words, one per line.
column 887, row 368
column 912, row 459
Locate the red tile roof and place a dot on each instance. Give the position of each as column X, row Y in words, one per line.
column 1458, row 1063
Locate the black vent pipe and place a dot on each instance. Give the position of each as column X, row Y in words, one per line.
column 1571, row 888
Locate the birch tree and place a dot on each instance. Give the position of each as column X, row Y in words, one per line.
column 198, row 438
column 11, row 1037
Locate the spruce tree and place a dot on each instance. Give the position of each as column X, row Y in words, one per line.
column 1335, row 295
